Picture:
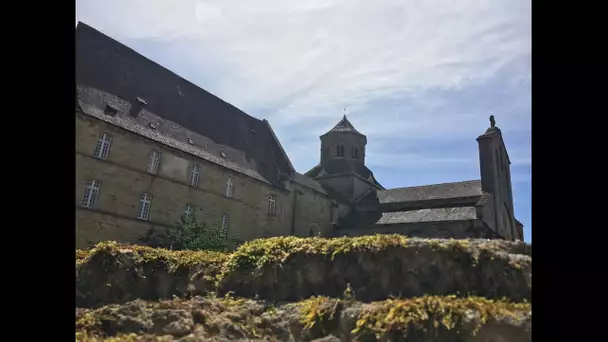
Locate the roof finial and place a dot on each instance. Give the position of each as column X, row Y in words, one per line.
column 344, row 112
column 492, row 121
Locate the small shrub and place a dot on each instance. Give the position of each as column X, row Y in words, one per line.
column 188, row 234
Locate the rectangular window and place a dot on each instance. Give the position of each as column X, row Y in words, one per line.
column 225, row 225
column 143, row 213
column 91, row 193
column 103, row 146
column 272, row 205
column 153, row 162
column 196, row 175
column 188, row 211
column 229, row 187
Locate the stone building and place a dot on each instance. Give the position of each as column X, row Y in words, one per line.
column 476, row 208
column 151, row 147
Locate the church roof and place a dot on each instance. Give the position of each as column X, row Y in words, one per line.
column 335, row 166
column 308, row 182
column 106, row 66
column 430, row 192
column 344, row 126
column 429, row 215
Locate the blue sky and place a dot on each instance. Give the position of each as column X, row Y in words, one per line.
column 419, row 78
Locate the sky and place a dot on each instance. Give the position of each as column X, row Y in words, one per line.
column 419, row 78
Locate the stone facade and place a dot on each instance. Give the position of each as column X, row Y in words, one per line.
column 124, row 177
column 480, row 208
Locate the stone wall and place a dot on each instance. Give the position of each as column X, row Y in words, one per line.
column 454, row 229
column 124, row 178
column 313, row 211
column 373, row 288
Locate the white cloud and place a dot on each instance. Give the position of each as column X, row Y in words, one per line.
column 297, row 61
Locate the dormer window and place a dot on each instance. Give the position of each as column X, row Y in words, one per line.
column 340, row 151
column 110, row 110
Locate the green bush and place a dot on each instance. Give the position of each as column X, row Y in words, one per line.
column 188, row 234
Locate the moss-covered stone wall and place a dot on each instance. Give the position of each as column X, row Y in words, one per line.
column 385, row 287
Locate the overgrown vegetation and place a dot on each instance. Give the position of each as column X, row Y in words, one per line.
column 428, row 318
column 144, row 254
column 257, row 253
column 319, row 311
column 436, row 314
column 435, row 289
column 188, row 234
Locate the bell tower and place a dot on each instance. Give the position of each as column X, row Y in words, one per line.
column 495, row 168
column 343, row 141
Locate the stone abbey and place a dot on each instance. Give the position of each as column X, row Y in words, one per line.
column 152, row 147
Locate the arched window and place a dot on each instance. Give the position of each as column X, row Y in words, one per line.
column 340, row 150
column 354, row 152
column 314, row 230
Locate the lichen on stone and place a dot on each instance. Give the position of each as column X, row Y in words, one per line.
column 318, row 310
column 462, row 316
column 174, row 259
column 257, row 253
column 440, row 318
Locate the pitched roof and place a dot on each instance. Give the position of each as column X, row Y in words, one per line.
column 168, row 133
column 430, row 192
column 336, row 166
column 428, row 215
column 344, row 126
column 108, row 66
column 308, row 182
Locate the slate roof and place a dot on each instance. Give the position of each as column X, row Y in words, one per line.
column 344, row 126
column 105, row 65
column 428, row 215
column 165, row 132
column 335, row 166
column 336, row 195
column 429, row 192
column 308, row 182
